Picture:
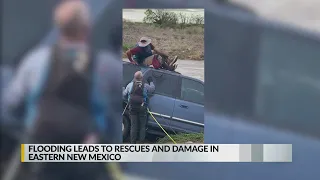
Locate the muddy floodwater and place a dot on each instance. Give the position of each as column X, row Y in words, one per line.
column 190, row 68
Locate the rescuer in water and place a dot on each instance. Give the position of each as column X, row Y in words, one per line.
column 137, row 92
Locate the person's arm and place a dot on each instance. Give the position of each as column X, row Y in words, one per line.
column 145, row 96
column 26, row 77
column 107, row 108
column 152, row 46
column 156, row 51
column 129, row 55
column 101, row 89
column 126, row 90
column 160, row 53
column 17, row 89
column 150, row 87
column 130, row 52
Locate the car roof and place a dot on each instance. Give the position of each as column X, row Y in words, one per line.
column 175, row 73
column 145, row 69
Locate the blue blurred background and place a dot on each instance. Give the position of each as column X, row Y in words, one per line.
column 262, row 81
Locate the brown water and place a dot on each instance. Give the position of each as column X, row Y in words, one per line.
column 190, row 68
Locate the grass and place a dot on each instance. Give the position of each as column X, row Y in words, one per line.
column 126, row 47
column 187, row 42
column 196, row 138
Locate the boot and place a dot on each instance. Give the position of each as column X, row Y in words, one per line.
column 174, row 60
column 165, row 66
column 175, row 66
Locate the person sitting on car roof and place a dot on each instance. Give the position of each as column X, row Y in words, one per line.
column 145, row 53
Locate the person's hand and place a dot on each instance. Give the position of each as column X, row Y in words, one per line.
column 133, row 62
column 149, row 80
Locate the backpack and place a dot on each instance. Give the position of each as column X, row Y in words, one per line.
column 136, row 97
column 64, row 105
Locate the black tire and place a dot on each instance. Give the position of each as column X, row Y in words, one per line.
column 125, row 127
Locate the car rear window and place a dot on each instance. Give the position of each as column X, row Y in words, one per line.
column 166, row 84
column 128, row 72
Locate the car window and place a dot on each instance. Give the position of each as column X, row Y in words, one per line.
column 128, row 72
column 192, row 91
column 166, row 84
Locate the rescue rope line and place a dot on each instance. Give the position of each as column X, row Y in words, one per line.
column 161, row 127
column 115, row 170
column 156, row 122
column 125, row 109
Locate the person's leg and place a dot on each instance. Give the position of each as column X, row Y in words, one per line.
column 157, row 62
column 174, row 60
column 134, row 126
column 142, row 124
column 148, row 61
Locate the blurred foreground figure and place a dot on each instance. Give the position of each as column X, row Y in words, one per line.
column 66, row 95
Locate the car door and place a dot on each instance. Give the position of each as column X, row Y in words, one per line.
column 161, row 103
column 188, row 114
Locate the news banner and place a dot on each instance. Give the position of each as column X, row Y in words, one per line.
column 156, row 152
